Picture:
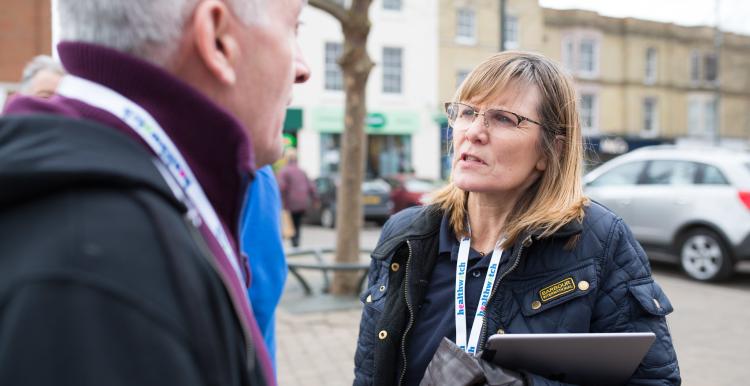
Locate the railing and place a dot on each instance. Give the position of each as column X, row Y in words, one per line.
column 320, row 264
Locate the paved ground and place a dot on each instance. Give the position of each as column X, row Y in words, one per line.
column 317, row 335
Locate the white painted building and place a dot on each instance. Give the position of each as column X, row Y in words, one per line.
column 401, row 93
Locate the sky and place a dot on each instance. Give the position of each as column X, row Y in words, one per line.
column 734, row 14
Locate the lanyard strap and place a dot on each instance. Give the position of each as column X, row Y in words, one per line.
column 190, row 191
column 460, row 308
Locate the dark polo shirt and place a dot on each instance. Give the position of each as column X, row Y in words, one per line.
column 435, row 318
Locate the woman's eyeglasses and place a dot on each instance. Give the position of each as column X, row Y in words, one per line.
column 461, row 116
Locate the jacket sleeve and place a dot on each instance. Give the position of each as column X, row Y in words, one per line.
column 62, row 332
column 630, row 300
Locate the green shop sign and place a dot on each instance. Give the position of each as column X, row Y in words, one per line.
column 331, row 120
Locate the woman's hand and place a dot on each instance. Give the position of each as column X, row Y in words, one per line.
column 452, row 366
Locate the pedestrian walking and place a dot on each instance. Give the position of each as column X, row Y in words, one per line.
column 120, row 206
column 297, row 193
column 510, row 245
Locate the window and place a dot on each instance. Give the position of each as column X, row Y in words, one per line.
column 460, row 76
column 392, row 70
column 695, row 66
column 333, row 76
column 709, row 115
column 510, row 32
column 650, row 71
column 710, row 69
column 712, row 176
column 588, row 113
column 465, row 26
column 587, row 56
column 694, row 118
column 393, row 5
column 580, row 53
column 701, row 115
column 650, row 118
column 664, row 172
column 622, row 175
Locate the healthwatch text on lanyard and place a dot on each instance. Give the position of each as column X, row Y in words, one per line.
column 489, row 282
column 147, row 128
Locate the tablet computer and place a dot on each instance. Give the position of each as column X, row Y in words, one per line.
column 586, row 359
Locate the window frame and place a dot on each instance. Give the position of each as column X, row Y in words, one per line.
column 331, row 69
column 390, row 77
column 651, row 68
column 397, row 8
column 513, row 27
column 471, row 27
column 653, row 131
column 594, row 113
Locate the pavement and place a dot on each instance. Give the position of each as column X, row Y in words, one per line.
column 317, row 335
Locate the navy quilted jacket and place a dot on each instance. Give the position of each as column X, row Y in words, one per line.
column 621, row 295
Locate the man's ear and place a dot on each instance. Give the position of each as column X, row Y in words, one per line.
column 214, row 41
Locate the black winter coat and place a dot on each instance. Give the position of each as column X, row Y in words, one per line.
column 621, row 295
column 102, row 279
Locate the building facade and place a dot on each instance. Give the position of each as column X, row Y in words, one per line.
column 402, row 133
column 26, row 27
column 652, row 80
column 639, row 82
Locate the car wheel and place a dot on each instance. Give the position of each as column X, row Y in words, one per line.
column 327, row 218
column 704, row 255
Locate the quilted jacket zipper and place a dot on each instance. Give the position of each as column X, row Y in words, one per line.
column 411, row 316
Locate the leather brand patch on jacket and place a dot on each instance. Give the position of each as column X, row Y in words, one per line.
column 558, row 289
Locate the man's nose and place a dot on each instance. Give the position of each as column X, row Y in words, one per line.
column 301, row 69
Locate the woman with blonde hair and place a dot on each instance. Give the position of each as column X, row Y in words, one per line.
column 511, row 245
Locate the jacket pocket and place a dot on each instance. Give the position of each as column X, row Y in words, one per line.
column 553, row 290
column 375, row 292
column 650, row 296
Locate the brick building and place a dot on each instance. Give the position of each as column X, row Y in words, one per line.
column 25, row 31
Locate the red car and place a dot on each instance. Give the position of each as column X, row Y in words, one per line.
column 408, row 190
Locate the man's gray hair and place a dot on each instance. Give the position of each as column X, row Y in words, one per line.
column 35, row 66
column 149, row 29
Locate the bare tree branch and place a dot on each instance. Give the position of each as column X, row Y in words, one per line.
column 331, row 8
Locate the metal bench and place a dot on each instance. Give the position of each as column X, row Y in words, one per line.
column 320, row 264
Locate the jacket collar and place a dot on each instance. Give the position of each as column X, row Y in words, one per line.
column 430, row 220
column 423, row 224
column 48, row 153
column 210, row 139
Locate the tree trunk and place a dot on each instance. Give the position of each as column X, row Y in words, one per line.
column 356, row 66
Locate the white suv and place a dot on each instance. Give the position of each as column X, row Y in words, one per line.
column 690, row 202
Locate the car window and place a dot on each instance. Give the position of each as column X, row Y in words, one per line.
column 665, row 172
column 713, row 176
column 322, row 185
column 376, row 186
column 626, row 174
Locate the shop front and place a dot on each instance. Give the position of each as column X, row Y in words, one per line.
column 389, row 140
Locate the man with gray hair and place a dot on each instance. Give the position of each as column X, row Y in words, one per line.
column 121, row 198
column 41, row 76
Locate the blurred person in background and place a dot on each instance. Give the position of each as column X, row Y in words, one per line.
column 297, row 193
column 41, row 76
column 122, row 194
column 514, row 224
column 262, row 242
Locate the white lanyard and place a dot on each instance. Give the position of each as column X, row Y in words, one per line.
column 190, row 191
column 460, row 309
